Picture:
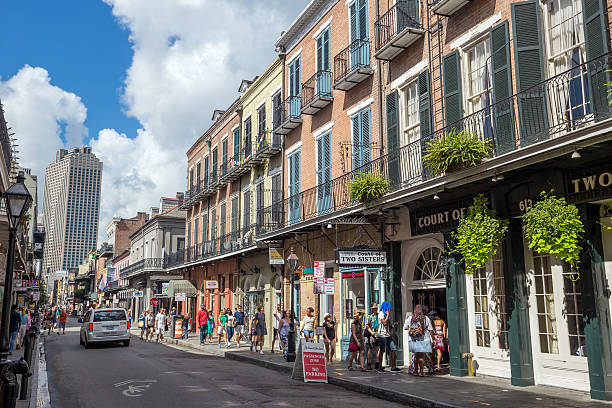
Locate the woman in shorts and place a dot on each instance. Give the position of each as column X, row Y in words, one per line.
column 308, row 322
column 329, row 337
column 221, row 327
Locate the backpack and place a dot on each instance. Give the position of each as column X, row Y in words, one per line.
column 416, row 330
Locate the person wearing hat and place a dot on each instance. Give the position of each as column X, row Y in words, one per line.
column 370, row 339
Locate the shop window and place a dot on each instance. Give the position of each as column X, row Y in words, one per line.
column 545, row 304
column 500, row 300
column 481, row 308
column 428, row 265
column 572, row 289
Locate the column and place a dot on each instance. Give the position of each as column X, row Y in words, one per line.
column 517, row 303
column 595, row 306
column 458, row 327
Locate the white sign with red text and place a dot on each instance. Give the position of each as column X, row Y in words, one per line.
column 313, row 361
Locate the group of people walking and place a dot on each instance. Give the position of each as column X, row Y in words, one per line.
column 151, row 325
column 19, row 322
column 55, row 318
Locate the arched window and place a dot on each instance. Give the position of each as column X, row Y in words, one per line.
column 428, row 265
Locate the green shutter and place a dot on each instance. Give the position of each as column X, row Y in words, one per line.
column 356, row 142
column 596, row 44
column 393, row 141
column 503, row 123
column 425, row 128
column 452, row 90
column 529, row 72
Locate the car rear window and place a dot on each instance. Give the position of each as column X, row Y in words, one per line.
column 109, row 316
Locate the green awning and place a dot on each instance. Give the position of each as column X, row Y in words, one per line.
column 181, row 286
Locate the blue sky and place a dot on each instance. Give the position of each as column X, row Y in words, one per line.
column 137, row 80
column 80, row 44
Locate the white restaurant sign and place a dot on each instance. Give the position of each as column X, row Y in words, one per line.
column 361, row 257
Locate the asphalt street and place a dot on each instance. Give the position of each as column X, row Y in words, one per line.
column 153, row 375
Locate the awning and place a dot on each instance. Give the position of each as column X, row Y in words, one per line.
column 181, row 286
column 126, row 293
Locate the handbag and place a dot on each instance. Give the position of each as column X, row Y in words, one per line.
column 140, row 324
column 353, row 347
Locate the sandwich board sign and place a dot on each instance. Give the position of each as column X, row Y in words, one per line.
column 310, row 362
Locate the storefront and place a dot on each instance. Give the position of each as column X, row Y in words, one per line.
column 183, row 295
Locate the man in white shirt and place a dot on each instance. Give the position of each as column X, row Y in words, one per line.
column 160, row 324
column 385, row 341
column 278, row 315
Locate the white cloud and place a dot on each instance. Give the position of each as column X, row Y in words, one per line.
column 43, row 117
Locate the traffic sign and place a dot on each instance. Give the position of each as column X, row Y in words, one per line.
column 319, row 269
column 138, row 293
column 154, row 302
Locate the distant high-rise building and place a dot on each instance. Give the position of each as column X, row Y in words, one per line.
column 71, row 208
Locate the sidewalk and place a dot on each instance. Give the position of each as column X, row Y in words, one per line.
column 437, row 391
column 31, row 398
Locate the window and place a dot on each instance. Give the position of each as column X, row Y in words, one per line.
column 213, row 224
column 237, row 145
column 295, row 88
column 196, row 224
column 206, row 170
column 215, row 164
column 247, row 209
column 481, row 308
column 500, row 300
column 324, row 173
column 277, row 198
column 478, row 68
column 410, row 107
column 361, row 138
column 222, row 220
column 247, row 137
column 204, row 226
column 224, row 156
column 359, row 20
column 323, row 79
column 189, row 234
column 191, row 179
column 545, row 304
column 198, row 174
column 261, row 125
column 294, row 187
column 564, row 33
column 235, row 214
column 276, row 104
column 573, row 313
column 259, row 188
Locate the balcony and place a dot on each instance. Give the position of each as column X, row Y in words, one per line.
column 317, row 92
column 214, row 179
column 289, row 115
column 268, row 144
column 535, row 121
column 448, row 7
column 352, row 65
column 144, row 265
column 397, row 29
column 234, row 168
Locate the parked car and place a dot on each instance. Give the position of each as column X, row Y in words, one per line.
column 104, row 326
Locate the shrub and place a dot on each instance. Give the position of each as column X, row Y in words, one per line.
column 455, row 151
column 478, row 235
column 367, row 187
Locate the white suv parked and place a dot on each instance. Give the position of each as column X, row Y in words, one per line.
column 104, row 325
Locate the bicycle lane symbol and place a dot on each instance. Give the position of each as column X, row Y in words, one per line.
column 135, row 388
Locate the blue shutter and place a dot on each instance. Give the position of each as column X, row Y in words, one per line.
column 320, row 53
column 294, row 187
column 502, row 90
column 324, row 173
column 353, row 20
column 366, row 142
column 356, row 126
column 363, row 19
column 236, row 144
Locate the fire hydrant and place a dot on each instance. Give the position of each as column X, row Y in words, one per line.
column 470, row 364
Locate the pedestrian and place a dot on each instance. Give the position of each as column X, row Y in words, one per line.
column 150, row 326
column 239, row 325
column 62, row 322
column 130, row 317
column 329, row 337
column 185, row 325
column 173, row 311
column 385, row 341
column 23, row 327
column 356, row 342
column 141, row 324
column 229, row 327
column 278, row 315
column 221, row 327
column 283, row 331
column 14, row 324
column 370, row 339
column 210, row 325
column 259, row 322
column 160, row 324
column 202, row 318
column 440, row 337
column 419, row 338
column 53, row 321
column 307, row 326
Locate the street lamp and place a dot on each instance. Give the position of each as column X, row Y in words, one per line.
column 292, row 260
column 17, row 200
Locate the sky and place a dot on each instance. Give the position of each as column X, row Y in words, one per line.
column 137, row 80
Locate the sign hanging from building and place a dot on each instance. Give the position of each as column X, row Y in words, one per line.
column 180, row 297
column 364, row 256
column 319, row 269
column 212, row 284
column 138, row 293
column 276, row 256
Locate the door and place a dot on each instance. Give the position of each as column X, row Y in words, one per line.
column 294, row 188
column 360, row 46
column 295, row 88
column 323, row 65
column 362, row 147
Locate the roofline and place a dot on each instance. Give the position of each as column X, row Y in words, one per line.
column 212, row 128
column 264, row 75
column 299, row 22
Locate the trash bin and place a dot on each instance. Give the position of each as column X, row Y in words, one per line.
column 177, row 326
column 344, row 345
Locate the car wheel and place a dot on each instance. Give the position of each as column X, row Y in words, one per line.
column 126, row 343
column 81, row 340
column 87, row 344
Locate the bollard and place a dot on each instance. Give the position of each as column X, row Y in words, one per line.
column 470, row 364
column 8, row 381
column 27, row 356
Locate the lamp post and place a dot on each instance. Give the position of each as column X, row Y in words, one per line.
column 17, row 200
column 292, row 260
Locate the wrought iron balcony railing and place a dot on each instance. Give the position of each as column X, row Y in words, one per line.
column 288, row 113
column 141, row 266
column 560, row 105
column 352, row 65
column 268, row 144
column 397, row 29
column 317, row 92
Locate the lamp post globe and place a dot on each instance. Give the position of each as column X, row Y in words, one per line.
column 292, row 261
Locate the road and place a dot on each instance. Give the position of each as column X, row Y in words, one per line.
column 153, row 375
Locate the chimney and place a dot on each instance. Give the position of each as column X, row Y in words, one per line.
column 180, row 196
column 154, row 211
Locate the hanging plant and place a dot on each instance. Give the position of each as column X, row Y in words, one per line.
column 366, row 187
column 478, row 235
column 552, row 226
column 455, row 151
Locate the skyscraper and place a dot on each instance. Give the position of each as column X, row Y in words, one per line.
column 71, row 208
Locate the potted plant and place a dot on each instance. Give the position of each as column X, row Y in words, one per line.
column 455, row 151
column 366, row 187
column 478, row 235
column 553, row 226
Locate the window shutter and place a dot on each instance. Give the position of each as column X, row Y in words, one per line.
column 296, row 172
column 452, row 90
column 223, row 219
column 225, row 152
column 596, row 44
column 325, row 51
column 503, row 122
column 356, row 142
column 213, row 226
column 320, row 161
column 320, row 53
column 393, row 140
column 425, row 128
column 234, row 214
column 353, row 14
column 363, row 19
column 366, row 143
column 204, row 227
column 247, row 209
column 529, row 71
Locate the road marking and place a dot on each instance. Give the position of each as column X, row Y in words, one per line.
column 136, row 390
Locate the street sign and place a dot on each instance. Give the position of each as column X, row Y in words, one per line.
column 212, row 284
column 154, row 302
column 138, row 293
column 180, row 297
column 361, row 257
column 276, row 256
column 313, row 361
column 319, row 269
column 324, row 286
